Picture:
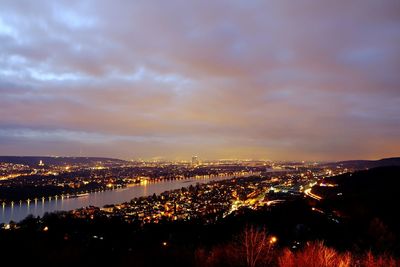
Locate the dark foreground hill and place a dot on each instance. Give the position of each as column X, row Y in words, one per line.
column 367, row 203
column 365, row 193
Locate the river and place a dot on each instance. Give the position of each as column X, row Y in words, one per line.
column 19, row 211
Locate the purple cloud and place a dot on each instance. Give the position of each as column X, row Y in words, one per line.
column 253, row 79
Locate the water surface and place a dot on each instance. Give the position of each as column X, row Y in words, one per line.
column 37, row 208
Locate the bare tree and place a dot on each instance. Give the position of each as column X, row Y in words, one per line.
column 257, row 246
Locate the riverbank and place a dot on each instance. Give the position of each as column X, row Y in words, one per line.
column 19, row 211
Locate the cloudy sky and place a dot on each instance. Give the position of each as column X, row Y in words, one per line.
column 308, row 80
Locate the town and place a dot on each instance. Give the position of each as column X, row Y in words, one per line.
column 21, row 183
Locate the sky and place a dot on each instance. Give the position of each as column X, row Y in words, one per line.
column 278, row 80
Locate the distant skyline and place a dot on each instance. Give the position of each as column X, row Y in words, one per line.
column 279, row 80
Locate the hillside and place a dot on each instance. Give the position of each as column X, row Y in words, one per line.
column 365, row 164
column 363, row 196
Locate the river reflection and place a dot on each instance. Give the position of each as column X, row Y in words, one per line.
column 38, row 207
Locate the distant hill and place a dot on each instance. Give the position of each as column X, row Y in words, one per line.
column 34, row 160
column 366, row 164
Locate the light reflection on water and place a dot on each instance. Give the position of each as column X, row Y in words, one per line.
column 38, row 207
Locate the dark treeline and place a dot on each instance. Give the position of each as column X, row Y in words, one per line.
column 59, row 239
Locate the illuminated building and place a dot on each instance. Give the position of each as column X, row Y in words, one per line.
column 195, row 160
